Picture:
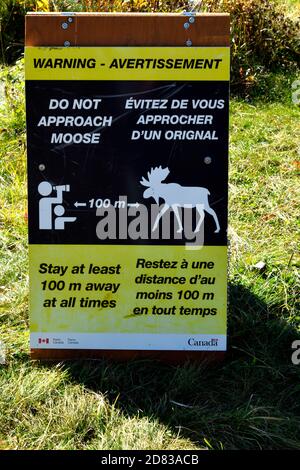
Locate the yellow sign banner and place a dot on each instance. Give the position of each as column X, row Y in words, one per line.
column 127, row 291
column 128, row 63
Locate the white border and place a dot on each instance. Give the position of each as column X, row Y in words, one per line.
column 128, row 341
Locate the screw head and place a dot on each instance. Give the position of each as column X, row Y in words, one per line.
column 207, row 160
column 189, row 43
column 70, row 20
column 67, row 43
column 42, row 167
column 64, row 25
column 192, row 20
column 186, row 25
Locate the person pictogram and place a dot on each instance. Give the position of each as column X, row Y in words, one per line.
column 59, row 223
column 47, row 206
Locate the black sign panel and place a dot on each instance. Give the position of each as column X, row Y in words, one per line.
column 139, row 126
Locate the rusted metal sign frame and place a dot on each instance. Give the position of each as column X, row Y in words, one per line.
column 127, row 29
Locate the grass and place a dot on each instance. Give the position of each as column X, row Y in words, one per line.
column 251, row 401
column 293, row 6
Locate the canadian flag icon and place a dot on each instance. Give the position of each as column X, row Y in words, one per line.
column 43, row 340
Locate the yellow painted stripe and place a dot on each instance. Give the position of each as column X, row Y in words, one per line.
column 139, row 63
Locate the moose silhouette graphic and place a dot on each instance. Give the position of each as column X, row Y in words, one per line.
column 176, row 196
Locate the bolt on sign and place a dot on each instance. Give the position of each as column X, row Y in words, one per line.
column 127, row 182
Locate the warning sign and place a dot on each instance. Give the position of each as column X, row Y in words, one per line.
column 127, row 188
